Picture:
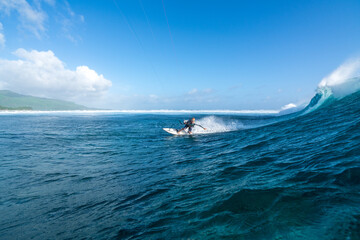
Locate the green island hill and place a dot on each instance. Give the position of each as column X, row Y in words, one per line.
column 13, row 101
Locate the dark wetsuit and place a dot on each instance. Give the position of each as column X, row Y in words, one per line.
column 189, row 125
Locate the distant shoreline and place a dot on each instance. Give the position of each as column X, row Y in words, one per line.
column 161, row 111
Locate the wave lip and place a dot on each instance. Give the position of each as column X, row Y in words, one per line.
column 348, row 70
column 343, row 81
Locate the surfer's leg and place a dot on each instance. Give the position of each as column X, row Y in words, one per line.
column 185, row 128
column 190, row 130
column 180, row 130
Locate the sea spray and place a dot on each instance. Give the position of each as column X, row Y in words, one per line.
column 347, row 70
column 215, row 124
column 342, row 82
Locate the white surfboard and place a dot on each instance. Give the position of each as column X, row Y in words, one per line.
column 174, row 132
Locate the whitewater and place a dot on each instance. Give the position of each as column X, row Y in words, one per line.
column 117, row 175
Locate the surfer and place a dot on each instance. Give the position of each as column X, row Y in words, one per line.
column 190, row 124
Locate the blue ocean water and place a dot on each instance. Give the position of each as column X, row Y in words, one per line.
column 120, row 176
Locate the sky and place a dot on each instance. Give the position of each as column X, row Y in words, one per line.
column 172, row 54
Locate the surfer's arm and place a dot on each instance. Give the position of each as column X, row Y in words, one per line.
column 200, row 126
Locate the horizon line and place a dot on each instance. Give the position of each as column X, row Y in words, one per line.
column 163, row 111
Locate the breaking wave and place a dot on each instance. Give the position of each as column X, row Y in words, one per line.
column 342, row 82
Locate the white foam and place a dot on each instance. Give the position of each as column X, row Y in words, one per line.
column 342, row 81
column 215, row 124
column 288, row 106
column 347, row 70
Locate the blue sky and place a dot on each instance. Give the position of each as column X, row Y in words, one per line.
column 154, row 54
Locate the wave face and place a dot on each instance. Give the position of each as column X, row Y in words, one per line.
column 340, row 83
column 119, row 176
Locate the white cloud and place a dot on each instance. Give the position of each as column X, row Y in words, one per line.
column 200, row 96
column 153, row 96
column 82, row 18
column 2, row 37
column 34, row 19
column 41, row 73
column 288, row 106
column 201, row 92
column 192, row 91
column 70, row 21
column 2, row 40
column 50, row 2
column 31, row 19
column 207, row 90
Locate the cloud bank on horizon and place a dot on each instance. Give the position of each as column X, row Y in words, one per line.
column 41, row 73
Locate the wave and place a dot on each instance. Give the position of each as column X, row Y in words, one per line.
column 342, row 82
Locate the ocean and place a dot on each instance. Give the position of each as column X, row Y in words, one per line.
column 120, row 176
